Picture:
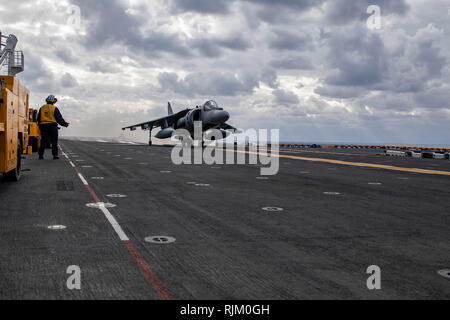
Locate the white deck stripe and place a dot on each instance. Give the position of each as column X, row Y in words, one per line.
column 83, row 179
column 116, row 226
column 114, row 223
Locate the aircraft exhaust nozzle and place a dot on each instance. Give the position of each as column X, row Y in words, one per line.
column 165, row 133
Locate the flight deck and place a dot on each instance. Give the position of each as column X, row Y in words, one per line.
column 140, row 227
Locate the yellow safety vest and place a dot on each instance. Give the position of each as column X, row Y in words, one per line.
column 48, row 114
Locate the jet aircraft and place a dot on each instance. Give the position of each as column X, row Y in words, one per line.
column 210, row 115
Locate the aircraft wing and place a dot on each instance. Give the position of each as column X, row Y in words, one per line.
column 170, row 119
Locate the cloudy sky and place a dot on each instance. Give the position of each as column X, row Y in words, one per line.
column 319, row 70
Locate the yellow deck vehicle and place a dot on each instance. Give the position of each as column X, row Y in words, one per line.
column 14, row 101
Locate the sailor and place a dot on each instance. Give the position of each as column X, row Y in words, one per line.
column 48, row 119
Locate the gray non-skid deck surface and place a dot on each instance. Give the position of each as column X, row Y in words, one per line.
column 226, row 246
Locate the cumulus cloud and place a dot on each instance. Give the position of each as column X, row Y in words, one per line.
column 292, row 63
column 214, row 47
column 285, row 98
column 210, row 83
column 312, row 60
column 288, row 40
column 38, row 76
column 66, row 55
column 356, row 59
column 68, row 81
column 103, row 66
column 201, row 6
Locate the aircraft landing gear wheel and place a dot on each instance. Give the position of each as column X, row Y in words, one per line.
column 150, row 143
column 14, row 175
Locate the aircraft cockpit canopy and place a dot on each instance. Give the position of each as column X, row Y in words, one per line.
column 211, row 105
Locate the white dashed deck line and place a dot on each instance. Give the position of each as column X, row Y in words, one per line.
column 100, row 205
column 444, row 273
column 108, row 215
column 96, row 205
column 273, row 209
column 56, row 227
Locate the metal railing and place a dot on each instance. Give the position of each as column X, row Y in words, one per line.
column 17, row 65
column 10, row 58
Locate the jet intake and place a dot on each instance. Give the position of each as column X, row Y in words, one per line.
column 181, row 123
column 165, row 133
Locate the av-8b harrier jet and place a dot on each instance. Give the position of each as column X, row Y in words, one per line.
column 210, row 114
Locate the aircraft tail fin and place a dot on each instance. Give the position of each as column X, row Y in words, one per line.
column 169, row 109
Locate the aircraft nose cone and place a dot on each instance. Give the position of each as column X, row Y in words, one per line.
column 221, row 117
column 226, row 116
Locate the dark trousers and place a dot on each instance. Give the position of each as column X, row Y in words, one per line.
column 49, row 133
